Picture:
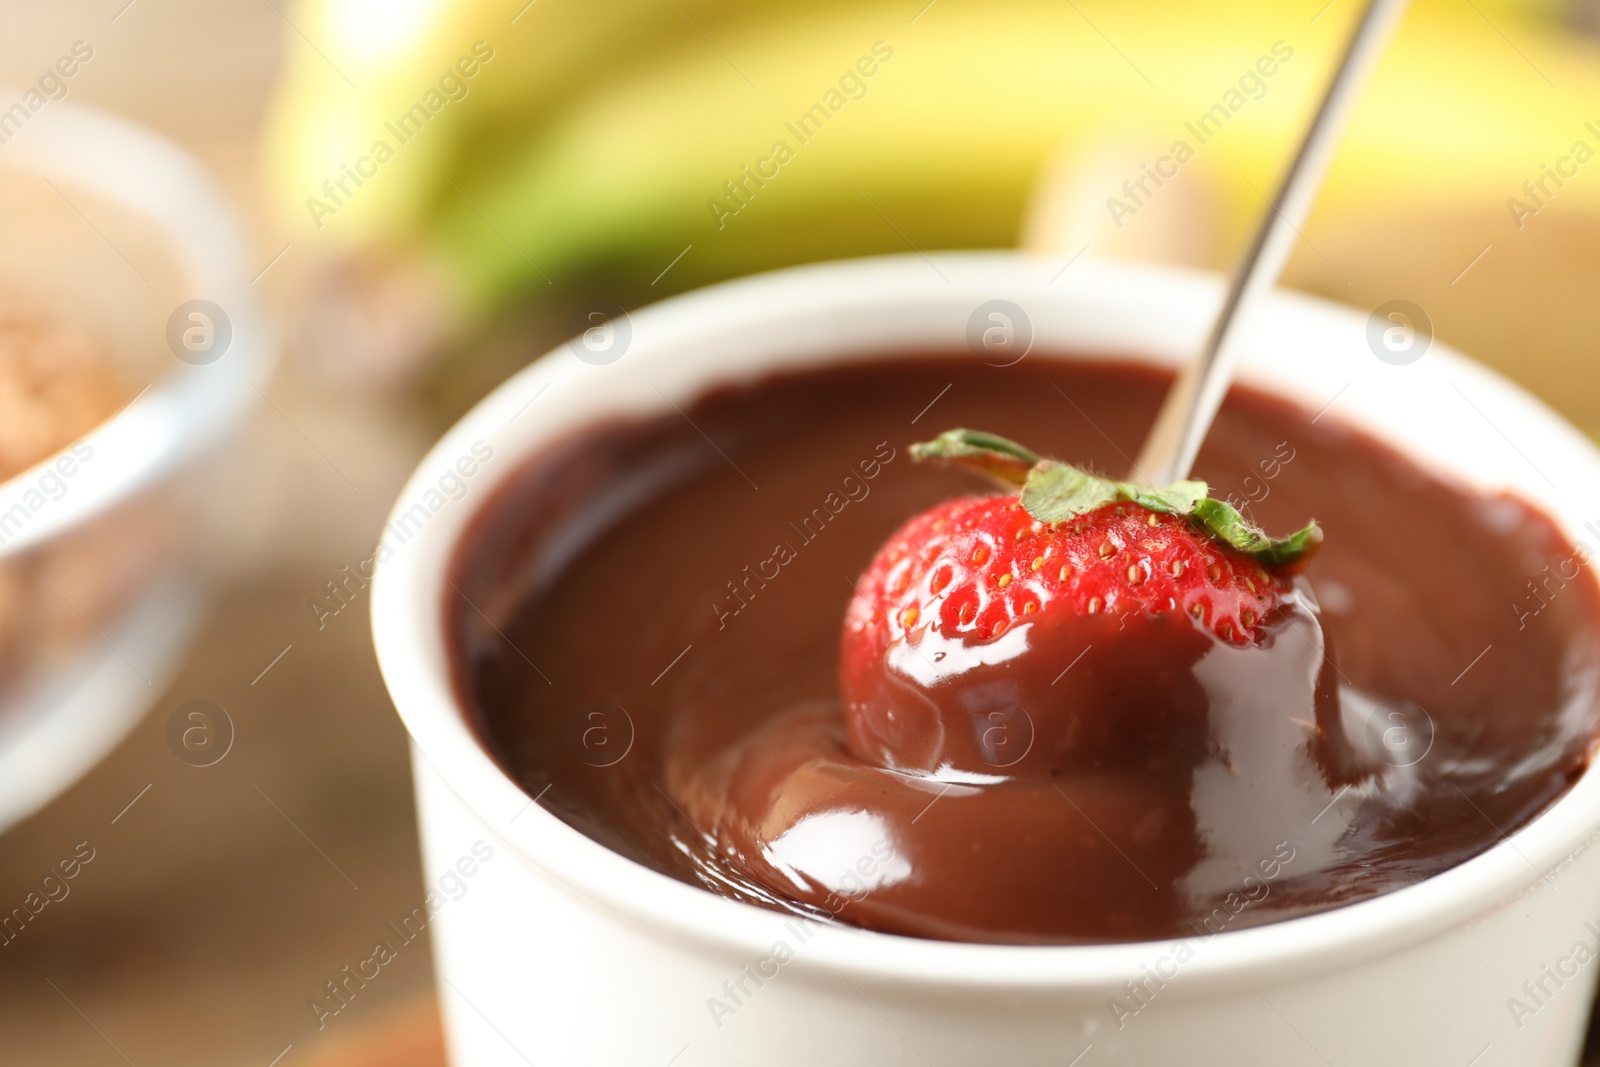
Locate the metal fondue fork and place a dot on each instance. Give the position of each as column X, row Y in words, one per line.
column 1191, row 404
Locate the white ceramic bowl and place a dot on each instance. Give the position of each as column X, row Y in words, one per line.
column 562, row 951
column 60, row 718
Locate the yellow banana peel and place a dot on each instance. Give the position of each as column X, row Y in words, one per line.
column 951, row 132
column 608, row 141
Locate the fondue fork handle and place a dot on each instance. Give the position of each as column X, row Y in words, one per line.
column 1192, row 402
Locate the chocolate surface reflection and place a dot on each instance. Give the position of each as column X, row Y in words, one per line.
column 685, row 706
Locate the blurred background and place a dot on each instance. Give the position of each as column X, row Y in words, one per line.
column 200, row 436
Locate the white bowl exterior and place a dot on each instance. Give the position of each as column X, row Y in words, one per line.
column 531, row 972
column 573, row 954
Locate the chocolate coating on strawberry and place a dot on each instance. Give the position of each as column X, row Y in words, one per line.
column 1064, row 628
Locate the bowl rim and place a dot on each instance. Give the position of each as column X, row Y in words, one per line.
column 407, row 621
column 188, row 407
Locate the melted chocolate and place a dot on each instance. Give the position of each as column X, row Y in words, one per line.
column 652, row 647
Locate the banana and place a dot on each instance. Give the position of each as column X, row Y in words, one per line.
column 947, row 137
column 602, row 145
column 353, row 66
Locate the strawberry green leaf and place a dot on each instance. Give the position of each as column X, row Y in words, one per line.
column 1055, row 492
column 1000, row 458
column 1052, row 491
column 1224, row 522
column 1179, row 498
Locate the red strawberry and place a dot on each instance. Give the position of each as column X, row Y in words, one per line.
column 962, row 646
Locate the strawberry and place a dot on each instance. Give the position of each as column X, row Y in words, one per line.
column 968, row 620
